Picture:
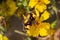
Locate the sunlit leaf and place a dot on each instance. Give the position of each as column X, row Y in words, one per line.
column 25, row 2
column 1, row 28
column 54, row 24
column 20, row 32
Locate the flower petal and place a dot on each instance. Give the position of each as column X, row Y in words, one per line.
column 43, row 32
column 33, row 31
column 45, row 1
column 1, row 37
column 5, row 38
column 32, row 3
column 37, row 13
column 45, row 16
column 45, row 25
column 40, row 7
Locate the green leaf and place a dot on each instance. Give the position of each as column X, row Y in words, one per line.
column 1, row 28
column 25, row 2
column 53, row 24
column 0, row 13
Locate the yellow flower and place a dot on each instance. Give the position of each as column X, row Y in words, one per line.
column 45, row 25
column 2, row 37
column 40, row 7
column 37, row 12
column 8, row 8
column 5, row 38
column 45, row 29
column 33, row 31
column 39, row 27
column 12, row 7
column 33, row 3
column 45, row 15
column 45, row 1
column 43, row 32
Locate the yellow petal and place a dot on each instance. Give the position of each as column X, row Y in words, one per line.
column 5, row 38
column 32, row 3
column 45, row 16
column 45, row 1
column 33, row 31
column 28, row 33
column 1, row 37
column 45, row 25
column 44, row 29
column 40, row 7
column 37, row 13
column 43, row 32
